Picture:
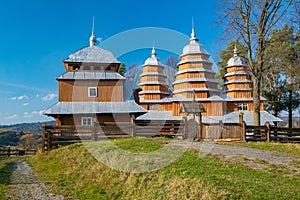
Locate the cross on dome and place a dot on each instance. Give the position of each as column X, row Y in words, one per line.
column 93, row 38
column 235, row 50
column 193, row 38
column 153, row 52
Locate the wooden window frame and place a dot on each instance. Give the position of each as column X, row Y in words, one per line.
column 89, row 91
column 243, row 106
column 86, row 121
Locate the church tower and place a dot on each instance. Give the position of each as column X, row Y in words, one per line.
column 196, row 79
column 238, row 84
column 195, row 72
column 153, row 80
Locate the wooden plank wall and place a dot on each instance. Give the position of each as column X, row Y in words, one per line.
column 221, row 131
column 78, row 90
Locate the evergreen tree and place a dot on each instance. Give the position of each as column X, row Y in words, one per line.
column 122, row 69
column 281, row 85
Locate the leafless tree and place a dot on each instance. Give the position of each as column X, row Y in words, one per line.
column 29, row 141
column 170, row 70
column 252, row 21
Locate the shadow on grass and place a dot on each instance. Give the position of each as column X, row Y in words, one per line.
column 6, row 169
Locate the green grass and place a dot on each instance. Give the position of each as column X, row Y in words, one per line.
column 2, row 130
column 72, row 171
column 292, row 150
column 6, row 168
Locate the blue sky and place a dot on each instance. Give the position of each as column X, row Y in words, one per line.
column 36, row 35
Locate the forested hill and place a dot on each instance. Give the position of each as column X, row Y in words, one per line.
column 35, row 127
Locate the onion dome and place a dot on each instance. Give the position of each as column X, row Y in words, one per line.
column 153, row 60
column 237, row 60
column 193, row 47
column 92, row 54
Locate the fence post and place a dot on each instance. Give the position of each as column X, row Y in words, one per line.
column 94, row 133
column 243, row 125
column 133, row 132
column 43, row 136
column 8, row 150
column 48, row 141
column 199, row 137
column 268, row 132
column 184, row 127
column 244, row 131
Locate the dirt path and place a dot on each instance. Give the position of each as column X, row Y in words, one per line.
column 250, row 157
column 25, row 185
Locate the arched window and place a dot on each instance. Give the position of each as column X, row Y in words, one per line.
column 76, row 68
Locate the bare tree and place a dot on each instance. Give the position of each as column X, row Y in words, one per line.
column 170, row 70
column 252, row 21
column 29, row 141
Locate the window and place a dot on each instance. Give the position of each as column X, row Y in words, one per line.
column 242, row 106
column 76, row 67
column 93, row 92
column 86, row 121
column 153, row 107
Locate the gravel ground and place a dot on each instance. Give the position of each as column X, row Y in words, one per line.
column 251, row 157
column 25, row 185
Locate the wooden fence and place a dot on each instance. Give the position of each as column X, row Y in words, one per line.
column 271, row 133
column 61, row 135
column 16, row 152
column 221, row 132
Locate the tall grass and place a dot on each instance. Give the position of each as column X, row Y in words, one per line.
column 73, row 171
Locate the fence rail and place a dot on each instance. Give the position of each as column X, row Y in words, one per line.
column 16, row 152
column 272, row 133
column 61, row 135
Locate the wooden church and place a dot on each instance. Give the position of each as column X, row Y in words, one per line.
column 92, row 90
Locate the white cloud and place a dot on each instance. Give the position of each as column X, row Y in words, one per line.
column 49, row 97
column 19, row 97
column 25, row 104
column 11, row 117
column 22, row 97
column 38, row 112
column 30, row 115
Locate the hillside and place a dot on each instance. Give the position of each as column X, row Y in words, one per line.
column 73, row 172
column 35, row 127
column 9, row 137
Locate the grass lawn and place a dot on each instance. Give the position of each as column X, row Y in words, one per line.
column 72, row 171
column 2, row 130
column 292, row 150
